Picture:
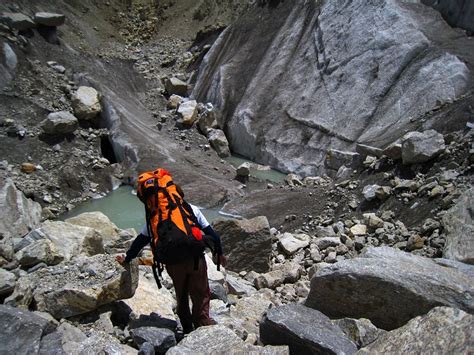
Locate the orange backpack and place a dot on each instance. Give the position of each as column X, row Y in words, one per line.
column 174, row 231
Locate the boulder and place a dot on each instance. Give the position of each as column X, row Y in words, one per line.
column 238, row 286
column 243, row 170
column 49, row 19
column 459, row 229
column 323, row 232
column 188, row 112
column 7, row 282
column 326, row 242
column 367, row 150
column 443, row 330
column 247, row 243
column 219, row 142
column 27, row 168
column 174, row 101
column 175, row 86
column 361, row 331
column 61, row 122
column 102, row 343
column 148, row 299
column 71, row 240
column 18, row 214
column 291, row 243
column 249, row 310
column 354, row 288
column 86, row 103
column 161, row 338
column 76, row 287
column 217, row 339
column 17, row 21
column 207, row 119
column 419, row 147
column 304, row 330
column 337, row 158
column 288, row 272
column 100, row 222
column 39, row 251
column 22, row 331
column 66, row 339
column 394, row 150
column 260, row 74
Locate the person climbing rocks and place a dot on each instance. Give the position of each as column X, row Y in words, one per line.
column 189, row 275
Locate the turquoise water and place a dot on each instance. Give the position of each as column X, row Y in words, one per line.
column 269, row 175
column 124, row 209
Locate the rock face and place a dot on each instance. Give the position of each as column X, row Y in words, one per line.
column 86, row 103
column 8, row 63
column 443, row 330
column 21, row 331
column 459, row 230
column 304, row 330
column 18, row 214
column 365, row 287
column 61, row 122
column 247, row 242
column 77, row 287
column 264, row 70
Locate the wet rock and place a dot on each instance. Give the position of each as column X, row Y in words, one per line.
column 247, row 242
column 219, row 339
column 419, row 147
column 86, row 103
column 49, row 19
column 443, row 330
column 17, row 21
column 18, row 214
column 21, row 331
column 350, row 288
column 66, row 339
column 291, row 243
column 76, row 287
column 175, row 86
column 61, row 122
column 161, row 339
column 304, row 330
column 459, row 230
column 361, row 331
column 7, row 282
column 219, row 142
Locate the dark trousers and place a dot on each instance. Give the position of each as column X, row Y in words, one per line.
column 189, row 281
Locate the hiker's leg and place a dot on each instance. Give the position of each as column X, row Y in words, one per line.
column 179, row 275
column 200, row 295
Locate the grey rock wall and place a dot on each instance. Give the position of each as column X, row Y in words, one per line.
column 297, row 79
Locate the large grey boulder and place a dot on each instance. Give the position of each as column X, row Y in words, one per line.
column 86, row 103
column 77, row 287
column 217, row 339
column 99, row 342
column 247, row 242
column 49, row 19
column 296, row 78
column 419, row 147
column 337, row 158
column 365, row 287
column 459, row 229
column 288, row 272
column 62, row 122
column 39, row 251
column 18, row 214
column 304, row 330
column 66, row 339
column 21, row 331
column 175, row 86
column 7, row 282
column 17, row 21
column 161, row 338
column 219, row 142
column 188, row 112
column 361, row 331
column 443, row 330
column 457, row 13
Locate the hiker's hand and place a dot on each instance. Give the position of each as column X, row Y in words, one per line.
column 120, row 258
column 222, row 260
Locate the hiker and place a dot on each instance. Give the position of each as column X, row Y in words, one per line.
column 189, row 275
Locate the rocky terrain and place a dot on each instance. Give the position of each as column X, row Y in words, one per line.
column 367, row 106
